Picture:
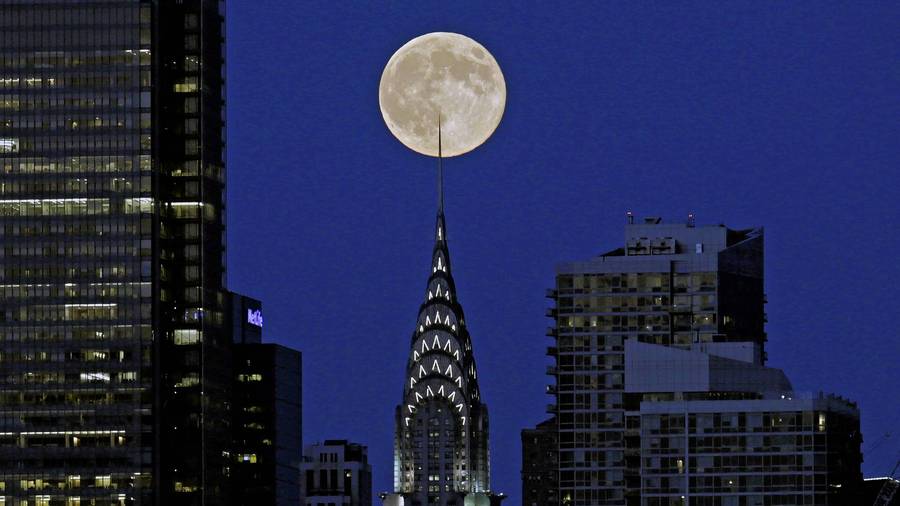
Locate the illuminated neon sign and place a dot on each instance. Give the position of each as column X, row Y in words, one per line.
column 254, row 317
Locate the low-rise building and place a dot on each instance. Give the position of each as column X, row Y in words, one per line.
column 336, row 473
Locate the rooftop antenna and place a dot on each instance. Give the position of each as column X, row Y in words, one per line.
column 690, row 220
column 630, row 216
column 440, row 170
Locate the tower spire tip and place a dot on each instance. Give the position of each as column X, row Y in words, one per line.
column 440, row 169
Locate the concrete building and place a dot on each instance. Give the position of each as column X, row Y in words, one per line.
column 750, row 453
column 336, row 473
column 674, row 316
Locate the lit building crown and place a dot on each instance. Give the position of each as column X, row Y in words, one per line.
column 441, row 444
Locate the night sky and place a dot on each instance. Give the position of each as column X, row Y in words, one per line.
column 782, row 115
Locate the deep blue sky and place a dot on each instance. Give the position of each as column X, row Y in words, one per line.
column 783, row 115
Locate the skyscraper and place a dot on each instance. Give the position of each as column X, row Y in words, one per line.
column 441, row 454
column 115, row 343
column 670, row 329
column 266, row 409
column 672, row 285
column 266, row 413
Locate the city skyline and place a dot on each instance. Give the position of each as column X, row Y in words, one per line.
column 134, row 364
column 750, row 117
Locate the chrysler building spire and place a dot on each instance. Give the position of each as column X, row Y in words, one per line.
column 441, row 454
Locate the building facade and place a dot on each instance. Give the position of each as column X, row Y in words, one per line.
column 115, row 341
column 676, row 315
column 671, row 285
column 788, row 451
column 336, row 473
column 540, row 466
column 266, row 421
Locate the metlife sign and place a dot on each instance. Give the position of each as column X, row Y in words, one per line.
column 254, row 317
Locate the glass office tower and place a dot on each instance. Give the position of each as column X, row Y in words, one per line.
column 112, row 327
column 266, row 422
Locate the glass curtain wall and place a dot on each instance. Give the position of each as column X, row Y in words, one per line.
column 76, row 253
column 114, row 356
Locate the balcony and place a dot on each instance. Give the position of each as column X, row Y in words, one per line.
column 551, row 389
column 552, row 409
column 551, row 331
column 551, row 370
column 551, row 312
column 551, row 293
column 552, row 351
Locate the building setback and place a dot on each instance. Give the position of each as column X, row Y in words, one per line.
column 115, row 333
column 676, row 318
column 336, row 473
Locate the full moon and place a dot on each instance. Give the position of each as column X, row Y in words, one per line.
column 447, row 75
